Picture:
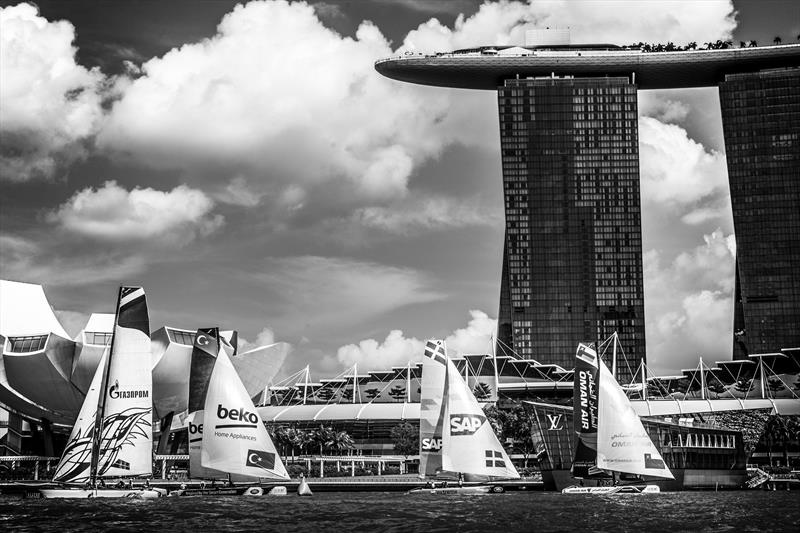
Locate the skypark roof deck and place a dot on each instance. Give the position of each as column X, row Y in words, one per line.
column 487, row 67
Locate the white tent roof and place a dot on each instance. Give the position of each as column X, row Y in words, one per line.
column 24, row 310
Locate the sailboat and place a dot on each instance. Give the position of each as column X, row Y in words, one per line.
column 456, row 440
column 227, row 439
column 113, row 437
column 610, row 436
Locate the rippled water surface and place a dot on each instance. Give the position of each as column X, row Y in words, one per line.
column 374, row 512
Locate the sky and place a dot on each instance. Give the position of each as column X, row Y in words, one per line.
column 247, row 165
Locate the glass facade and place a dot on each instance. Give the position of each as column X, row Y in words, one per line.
column 761, row 122
column 27, row 344
column 572, row 265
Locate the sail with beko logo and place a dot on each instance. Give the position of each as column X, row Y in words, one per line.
column 610, row 436
column 234, row 439
column 113, row 436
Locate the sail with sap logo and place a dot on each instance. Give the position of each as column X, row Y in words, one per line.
column 469, row 443
column 235, row 439
column 455, row 436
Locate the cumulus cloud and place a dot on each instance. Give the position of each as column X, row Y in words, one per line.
column 397, row 349
column 619, row 22
column 677, row 172
column 112, row 213
column 654, row 104
column 264, row 338
column 50, row 104
column 278, row 96
column 689, row 304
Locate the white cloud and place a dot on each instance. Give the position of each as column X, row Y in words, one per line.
column 429, row 213
column 50, row 104
column 111, row 213
column 654, row 104
column 398, row 350
column 264, row 338
column 677, row 172
column 618, row 22
column 276, row 96
column 689, row 304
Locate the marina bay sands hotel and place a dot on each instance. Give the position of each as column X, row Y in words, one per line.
column 572, row 260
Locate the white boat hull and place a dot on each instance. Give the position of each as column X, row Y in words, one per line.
column 475, row 489
column 618, row 489
column 100, row 493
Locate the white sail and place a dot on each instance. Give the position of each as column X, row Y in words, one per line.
column 234, row 437
column 126, row 446
column 432, row 408
column 623, row 445
column 196, row 468
column 75, row 463
column 469, row 443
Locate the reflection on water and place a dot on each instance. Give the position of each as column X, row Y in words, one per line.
column 738, row 511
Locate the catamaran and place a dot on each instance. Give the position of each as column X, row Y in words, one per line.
column 113, row 437
column 235, row 445
column 611, row 437
column 456, row 440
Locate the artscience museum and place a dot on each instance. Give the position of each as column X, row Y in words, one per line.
column 45, row 373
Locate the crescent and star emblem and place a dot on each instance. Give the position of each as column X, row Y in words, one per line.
column 254, row 458
column 202, row 340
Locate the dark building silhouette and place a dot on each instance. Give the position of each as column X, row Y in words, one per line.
column 761, row 122
column 572, row 265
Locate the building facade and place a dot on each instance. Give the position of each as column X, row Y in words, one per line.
column 572, row 265
column 761, row 122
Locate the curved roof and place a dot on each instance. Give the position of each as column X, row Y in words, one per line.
column 653, row 70
column 24, row 310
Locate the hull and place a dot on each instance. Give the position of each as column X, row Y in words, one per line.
column 462, row 491
column 100, row 493
column 685, row 479
column 608, row 491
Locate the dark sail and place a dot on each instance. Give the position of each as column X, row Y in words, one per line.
column 204, row 355
column 585, row 411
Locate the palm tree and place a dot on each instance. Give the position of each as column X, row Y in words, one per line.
column 341, row 441
column 323, row 437
column 777, row 39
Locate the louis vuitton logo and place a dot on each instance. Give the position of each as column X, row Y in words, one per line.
column 555, row 422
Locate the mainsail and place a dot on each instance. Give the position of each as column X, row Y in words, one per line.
column 234, row 437
column 432, row 408
column 610, row 435
column 455, row 436
column 623, row 444
column 113, row 435
column 468, row 442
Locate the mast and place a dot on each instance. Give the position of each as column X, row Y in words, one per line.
column 702, row 380
column 494, row 364
column 408, row 382
column 97, row 437
column 614, row 357
column 305, row 386
column 355, row 377
column 644, row 381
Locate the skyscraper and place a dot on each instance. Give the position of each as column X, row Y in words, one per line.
column 572, row 265
column 761, row 122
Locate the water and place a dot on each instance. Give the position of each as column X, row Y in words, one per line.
column 738, row 511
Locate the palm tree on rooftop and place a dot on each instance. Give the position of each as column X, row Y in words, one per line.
column 777, row 39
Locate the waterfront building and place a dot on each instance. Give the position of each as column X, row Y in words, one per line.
column 45, row 374
column 572, row 267
column 761, row 121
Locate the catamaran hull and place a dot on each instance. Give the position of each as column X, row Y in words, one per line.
column 608, row 491
column 462, row 491
column 100, row 493
column 685, row 479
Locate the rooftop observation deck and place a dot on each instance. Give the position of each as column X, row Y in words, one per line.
column 487, row 67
